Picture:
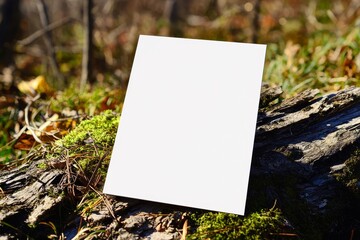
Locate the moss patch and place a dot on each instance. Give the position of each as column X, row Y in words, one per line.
column 101, row 129
column 258, row 225
column 89, row 145
column 350, row 174
column 90, row 102
column 281, row 189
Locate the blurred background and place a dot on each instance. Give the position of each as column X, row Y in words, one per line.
column 310, row 43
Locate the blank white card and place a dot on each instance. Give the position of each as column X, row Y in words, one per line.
column 187, row 128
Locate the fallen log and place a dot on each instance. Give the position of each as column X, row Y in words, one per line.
column 303, row 146
column 305, row 159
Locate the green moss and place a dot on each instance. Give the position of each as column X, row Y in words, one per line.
column 265, row 189
column 42, row 165
column 101, row 129
column 296, row 209
column 350, row 174
column 258, row 225
column 90, row 102
column 6, row 126
column 89, row 145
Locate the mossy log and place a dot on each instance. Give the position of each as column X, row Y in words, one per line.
column 305, row 160
column 304, row 147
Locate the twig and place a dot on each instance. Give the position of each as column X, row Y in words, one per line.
column 285, row 234
column 273, row 207
column 44, row 18
column 28, row 126
column 97, row 165
column 107, row 203
column 68, row 175
column 16, row 136
column 30, row 39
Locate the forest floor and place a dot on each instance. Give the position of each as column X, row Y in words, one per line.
column 55, row 145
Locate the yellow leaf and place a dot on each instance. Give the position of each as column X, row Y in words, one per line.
column 37, row 85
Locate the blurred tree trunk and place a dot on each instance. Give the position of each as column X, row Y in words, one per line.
column 9, row 28
column 176, row 12
column 86, row 73
column 256, row 21
column 212, row 10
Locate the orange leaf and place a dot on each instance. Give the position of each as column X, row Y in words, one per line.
column 25, row 142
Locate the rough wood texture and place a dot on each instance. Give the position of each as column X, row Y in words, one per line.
column 301, row 144
column 316, row 131
column 309, row 139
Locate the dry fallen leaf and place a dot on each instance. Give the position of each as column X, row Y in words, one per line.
column 37, row 85
column 25, row 142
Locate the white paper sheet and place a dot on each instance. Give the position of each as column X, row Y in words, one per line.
column 188, row 123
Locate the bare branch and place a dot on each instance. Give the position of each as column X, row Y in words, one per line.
column 30, row 39
column 44, row 18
